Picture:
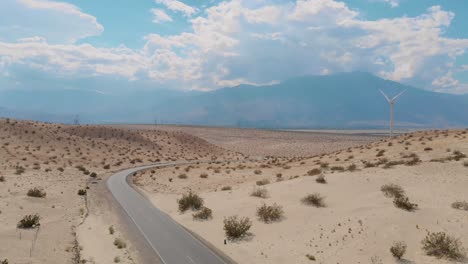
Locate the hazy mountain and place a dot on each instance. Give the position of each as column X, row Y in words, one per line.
column 341, row 101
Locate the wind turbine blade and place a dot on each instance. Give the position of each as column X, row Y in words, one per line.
column 386, row 97
column 398, row 95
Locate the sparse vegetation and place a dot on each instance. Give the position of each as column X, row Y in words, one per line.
column 461, row 205
column 190, row 200
column 442, row 245
column 36, row 192
column 235, row 227
column 310, row 257
column 259, row 192
column 398, row 249
column 29, row 221
column 269, row 213
column 403, row 202
column 321, row 179
column 314, row 172
column 262, row 182
column 315, row 199
column 205, row 213
column 392, row 190
column 119, row 243
column 226, row 188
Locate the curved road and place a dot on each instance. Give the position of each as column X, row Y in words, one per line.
column 171, row 242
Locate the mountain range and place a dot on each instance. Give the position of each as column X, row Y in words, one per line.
column 344, row 100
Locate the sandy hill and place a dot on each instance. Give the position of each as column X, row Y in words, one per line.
column 60, row 160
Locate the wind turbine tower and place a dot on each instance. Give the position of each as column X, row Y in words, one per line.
column 392, row 103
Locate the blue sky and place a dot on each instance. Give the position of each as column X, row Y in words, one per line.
column 206, row 45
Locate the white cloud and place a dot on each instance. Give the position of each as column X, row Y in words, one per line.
column 240, row 41
column 57, row 22
column 393, row 3
column 160, row 16
column 178, row 6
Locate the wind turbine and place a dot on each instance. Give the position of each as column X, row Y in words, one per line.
column 392, row 103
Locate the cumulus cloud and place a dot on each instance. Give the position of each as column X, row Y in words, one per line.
column 240, row 41
column 160, row 16
column 57, row 22
column 178, row 6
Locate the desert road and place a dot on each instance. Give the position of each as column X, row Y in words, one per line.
column 171, row 242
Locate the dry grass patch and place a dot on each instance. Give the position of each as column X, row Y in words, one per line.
column 442, row 245
column 29, row 221
column 190, row 200
column 398, row 249
column 314, row 199
column 36, row 192
column 270, row 213
column 461, row 205
column 235, row 227
column 259, row 192
column 205, row 213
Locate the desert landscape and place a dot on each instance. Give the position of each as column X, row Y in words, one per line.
column 305, row 197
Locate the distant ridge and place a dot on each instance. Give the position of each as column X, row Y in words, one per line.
column 344, row 100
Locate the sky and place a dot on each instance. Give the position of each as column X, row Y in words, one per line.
column 207, row 45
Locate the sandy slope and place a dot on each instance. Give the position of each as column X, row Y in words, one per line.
column 358, row 223
column 60, row 159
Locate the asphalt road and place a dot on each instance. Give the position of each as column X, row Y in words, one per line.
column 171, row 242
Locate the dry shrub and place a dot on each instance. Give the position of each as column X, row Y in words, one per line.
column 119, row 243
column 257, row 172
column 314, row 199
column 270, row 213
column 403, row 202
column 190, row 200
column 321, row 179
column 182, row 176
column 352, row 167
column 398, row 249
column 81, row 192
column 36, row 192
column 259, row 192
column 314, row 172
column 262, row 182
column 29, row 221
column 235, row 227
column 226, row 188
column 205, row 213
column 337, row 168
column 460, row 205
column 442, row 245
column 311, row 257
column 204, row 175
column 2, row 178
column 392, row 190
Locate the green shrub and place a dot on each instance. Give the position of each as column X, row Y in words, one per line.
column 269, row 213
column 460, row 205
column 442, row 245
column 36, row 192
column 398, row 249
column 392, row 190
column 190, row 200
column 235, row 227
column 314, row 200
column 29, row 221
column 259, row 192
column 403, row 202
column 205, row 213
